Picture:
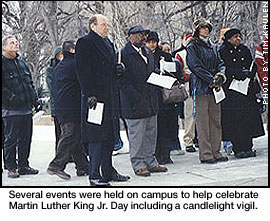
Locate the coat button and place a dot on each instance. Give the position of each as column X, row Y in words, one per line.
column 239, row 50
column 231, row 51
column 234, row 60
column 242, row 59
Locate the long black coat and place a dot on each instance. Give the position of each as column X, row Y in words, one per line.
column 66, row 90
column 138, row 99
column 240, row 114
column 95, row 63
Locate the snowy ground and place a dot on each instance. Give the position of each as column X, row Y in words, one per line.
column 186, row 170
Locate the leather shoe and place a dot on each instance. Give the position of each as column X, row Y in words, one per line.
column 251, row 154
column 82, row 172
column 27, row 171
column 158, row 169
column 99, row 183
column 241, row 154
column 222, row 159
column 13, row 173
column 60, row 173
column 119, row 178
column 143, row 172
column 210, row 161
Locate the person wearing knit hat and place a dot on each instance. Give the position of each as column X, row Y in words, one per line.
column 241, row 119
column 207, row 75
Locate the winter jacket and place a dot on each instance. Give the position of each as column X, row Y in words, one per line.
column 204, row 62
column 66, row 90
column 18, row 91
column 240, row 115
column 138, row 98
column 49, row 76
column 95, row 65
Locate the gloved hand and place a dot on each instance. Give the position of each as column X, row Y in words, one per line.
column 120, row 69
column 38, row 105
column 92, row 102
column 220, row 79
column 242, row 75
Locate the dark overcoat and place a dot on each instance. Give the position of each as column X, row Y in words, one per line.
column 240, row 114
column 95, row 64
column 138, row 98
column 66, row 90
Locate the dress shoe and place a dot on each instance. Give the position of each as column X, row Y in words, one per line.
column 158, row 169
column 190, row 149
column 251, row 153
column 210, row 161
column 82, row 172
column 143, row 172
column 222, row 159
column 241, row 154
column 60, row 173
column 27, row 171
column 13, row 173
column 99, row 183
column 119, row 178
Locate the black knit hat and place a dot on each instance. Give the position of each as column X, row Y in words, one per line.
column 231, row 32
column 153, row 36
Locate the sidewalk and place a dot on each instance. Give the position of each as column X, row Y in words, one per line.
column 186, row 170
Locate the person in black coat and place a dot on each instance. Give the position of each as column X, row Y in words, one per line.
column 139, row 102
column 167, row 120
column 96, row 71
column 66, row 95
column 241, row 118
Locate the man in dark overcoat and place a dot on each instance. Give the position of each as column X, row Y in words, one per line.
column 139, row 103
column 241, row 118
column 95, row 63
column 66, row 94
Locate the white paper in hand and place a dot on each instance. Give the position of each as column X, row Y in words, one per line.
column 38, row 115
column 161, row 80
column 95, row 116
column 219, row 95
column 240, row 86
column 167, row 66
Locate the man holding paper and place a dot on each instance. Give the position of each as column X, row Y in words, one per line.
column 139, row 103
column 96, row 70
column 241, row 119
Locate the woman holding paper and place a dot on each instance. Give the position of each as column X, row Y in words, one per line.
column 241, row 119
column 207, row 75
column 167, row 119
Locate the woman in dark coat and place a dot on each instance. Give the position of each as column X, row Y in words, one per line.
column 241, row 118
column 167, row 121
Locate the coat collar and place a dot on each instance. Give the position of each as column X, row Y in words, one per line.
column 99, row 43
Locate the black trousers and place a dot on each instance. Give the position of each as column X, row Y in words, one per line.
column 57, row 130
column 101, row 159
column 70, row 145
column 17, row 140
column 242, row 143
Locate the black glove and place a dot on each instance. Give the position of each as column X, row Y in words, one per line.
column 38, row 105
column 120, row 69
column 242, row 75
column 92, row 102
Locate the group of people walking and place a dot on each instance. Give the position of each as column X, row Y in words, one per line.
column 90, row 74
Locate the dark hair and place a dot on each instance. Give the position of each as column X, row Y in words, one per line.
column 67, row 45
